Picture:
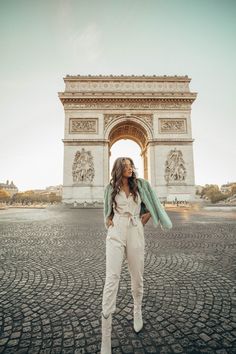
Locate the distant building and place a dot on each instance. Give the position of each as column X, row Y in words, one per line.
column 51, row 189
column 55, row 189
column 227, row 188
column 39, row 191
column 9, row 187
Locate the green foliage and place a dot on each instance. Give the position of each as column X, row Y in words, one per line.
column 233, row 189
column 29, row 197
column 209, row 190
column 4, row 196
column 53, row 198
column 217, row 197
column 213, row 193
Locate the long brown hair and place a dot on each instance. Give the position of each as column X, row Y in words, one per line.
column 116, row 178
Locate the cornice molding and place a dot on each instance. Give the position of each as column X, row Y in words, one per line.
column 85, row 142
column 103, row 142
column 127, row 95
column 127, row 100
column 170, row 141
column 126, row 78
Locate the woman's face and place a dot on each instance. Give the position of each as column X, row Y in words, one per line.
column 128, row 170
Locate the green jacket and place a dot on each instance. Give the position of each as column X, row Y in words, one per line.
column 150, row 202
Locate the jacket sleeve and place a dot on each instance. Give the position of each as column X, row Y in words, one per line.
column 165, row 221
column 107, row 206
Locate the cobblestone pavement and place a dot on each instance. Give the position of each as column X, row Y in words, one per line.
column 52, row 270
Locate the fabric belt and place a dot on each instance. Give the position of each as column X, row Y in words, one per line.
column 132, row 218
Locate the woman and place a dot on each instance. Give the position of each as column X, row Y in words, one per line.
column 129, row 202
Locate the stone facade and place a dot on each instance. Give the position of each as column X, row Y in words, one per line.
column 154, row 111
column 9, row 188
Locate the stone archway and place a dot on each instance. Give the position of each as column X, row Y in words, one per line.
column 130, row 129
column 154, row 111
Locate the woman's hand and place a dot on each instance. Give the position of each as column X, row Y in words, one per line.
column 145, row 217
column 109, row 222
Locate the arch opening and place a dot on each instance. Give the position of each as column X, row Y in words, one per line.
column 129, row 130
column 130, row 139
column 127, row 148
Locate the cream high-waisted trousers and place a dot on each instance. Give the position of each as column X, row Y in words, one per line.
column 124, row 240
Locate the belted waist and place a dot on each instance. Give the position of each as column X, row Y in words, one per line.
column 132, row 218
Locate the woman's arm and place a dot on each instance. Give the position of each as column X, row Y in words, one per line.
column 145, row 217
column 109, row 221
column 144, row 213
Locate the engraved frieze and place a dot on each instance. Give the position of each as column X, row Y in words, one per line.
column 122, row 86
column 175, row 170
column 83, row 167
column 177, row 125
column 108, row 118
column 83, row 125
column 147, row 118
column 128, row 104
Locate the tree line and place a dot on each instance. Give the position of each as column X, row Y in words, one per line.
column 29, row 197
column 212, row 192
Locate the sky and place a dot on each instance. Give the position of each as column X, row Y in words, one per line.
column 43, row 41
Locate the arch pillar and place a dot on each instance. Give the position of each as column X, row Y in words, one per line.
column 145, row 164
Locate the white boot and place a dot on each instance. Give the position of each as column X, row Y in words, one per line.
column 106, row 334
column 138, row 321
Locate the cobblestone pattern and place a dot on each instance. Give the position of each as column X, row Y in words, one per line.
column 52, row 276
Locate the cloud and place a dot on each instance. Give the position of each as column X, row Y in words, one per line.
column 64, row 13
column 86, row 43
column 83, row 41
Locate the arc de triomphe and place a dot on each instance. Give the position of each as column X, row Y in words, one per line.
column 154, row 111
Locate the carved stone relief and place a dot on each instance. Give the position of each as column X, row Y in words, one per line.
column 175, row 170
column 128, row 86
column 108, row 118
column 177, row 125
column 83, row 167
column 127, row 105
column 147, row 118
column 83, row 125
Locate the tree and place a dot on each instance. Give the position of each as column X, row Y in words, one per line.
column 217, row 197
column 209, row 190
column 213, row 193
column 4, row 196
column 233, row 189
column 52, row 197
